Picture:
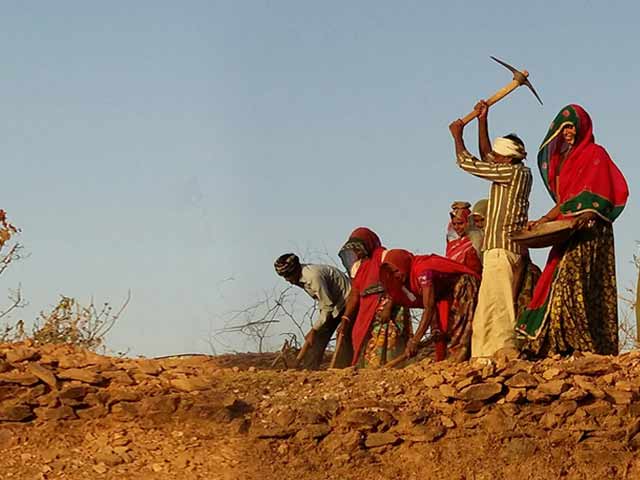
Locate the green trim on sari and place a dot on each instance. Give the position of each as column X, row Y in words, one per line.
column 589, row 201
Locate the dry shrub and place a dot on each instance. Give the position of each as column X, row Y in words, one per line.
column 630, row 314
column 69, row 322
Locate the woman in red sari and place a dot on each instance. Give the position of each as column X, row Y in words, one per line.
column 381, row 328
column 463, row 241
column 447, row 292
column 574, row 306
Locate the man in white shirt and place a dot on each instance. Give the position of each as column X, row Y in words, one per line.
column 330, row 288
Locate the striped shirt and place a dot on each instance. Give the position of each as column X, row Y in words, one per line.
column 508, row 200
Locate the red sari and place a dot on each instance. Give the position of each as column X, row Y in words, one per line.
column 367, row 282
column 587, row 181
column 444, row 274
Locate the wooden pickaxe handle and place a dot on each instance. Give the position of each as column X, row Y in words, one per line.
column 302, row 352
column 496, row 97
column 339, row 342
column 396, row 361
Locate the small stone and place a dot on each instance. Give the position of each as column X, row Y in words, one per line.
column 634, row 443
column 574, row 393
column 92, row 413
column 360, row 419
column 587, row 385
column 522, row 380
column 100, row 468
column 60, row 413
column 122, row 395
column 434, row 380
column 149, row 367
column 44, row 374
column 590, row 365
column 423, row 433
column 470, row 380
column 190, row 384
column 379, row 439
column 125, row 410
column 15, row 412
column 273, row 431
column 619, row 397
column 553, row 387
column 108, row 457
column 515, row 395
column 564, row 408
column 550, row 373
column 480, row 391
column 447, row 422
column 82, row 375
column 4, row 366
column 536, row 396
column 157, row 467
column 21, row 354
column 448, row 391
column 119, row 376
column 75, row 392
column 313, row 432
column 19, row 378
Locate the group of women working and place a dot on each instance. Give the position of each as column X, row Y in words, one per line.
column 573, row 305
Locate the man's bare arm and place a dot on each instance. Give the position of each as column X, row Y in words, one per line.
column 484, row 144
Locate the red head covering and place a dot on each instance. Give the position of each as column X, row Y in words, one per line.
column 587, row 180
column 368, row 237
column 366, row 282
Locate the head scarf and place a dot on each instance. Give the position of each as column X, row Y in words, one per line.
column 480, row 208
column 361, row 256
column 509, row 148
column 362, row 243
column 287, row 264
column 587, row 180
column 458, row 210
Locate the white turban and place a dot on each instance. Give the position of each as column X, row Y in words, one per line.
column 509, row 148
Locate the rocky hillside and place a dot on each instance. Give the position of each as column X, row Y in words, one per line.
column 67, row 413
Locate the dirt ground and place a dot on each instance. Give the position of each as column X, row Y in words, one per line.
column 65, row 413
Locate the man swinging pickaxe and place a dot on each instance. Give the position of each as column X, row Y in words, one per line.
column 504, row 261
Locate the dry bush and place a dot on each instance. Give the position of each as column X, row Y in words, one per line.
column 69, row 322
column 630, row 319
column 9, row 252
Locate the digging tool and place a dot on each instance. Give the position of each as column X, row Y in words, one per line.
column 302, row 353
column 336, row 354
column 519, row 78
column 396, row 361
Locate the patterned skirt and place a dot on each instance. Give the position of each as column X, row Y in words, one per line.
column 463, row 306
column 582, row 314
column 386, row 340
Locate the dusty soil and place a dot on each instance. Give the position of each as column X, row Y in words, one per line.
column 66, row 413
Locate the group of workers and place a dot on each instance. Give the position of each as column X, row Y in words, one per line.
column 485, row 295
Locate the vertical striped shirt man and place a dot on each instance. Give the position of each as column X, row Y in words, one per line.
column 508, row 200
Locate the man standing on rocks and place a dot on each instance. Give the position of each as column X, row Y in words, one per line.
column 329, row 287
column 504, row 260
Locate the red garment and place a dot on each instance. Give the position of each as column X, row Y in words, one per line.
column 367, row 277
column 587, row 181
column 463, row 251
column 413, row 267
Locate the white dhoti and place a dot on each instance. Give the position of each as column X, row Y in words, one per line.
column 494, row 320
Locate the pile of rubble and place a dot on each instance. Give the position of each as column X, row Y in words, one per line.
column 203, row 417
column 56, row 382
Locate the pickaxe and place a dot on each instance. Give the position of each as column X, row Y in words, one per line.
column 519, row 78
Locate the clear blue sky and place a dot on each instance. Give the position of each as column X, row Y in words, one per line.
column 176, row 148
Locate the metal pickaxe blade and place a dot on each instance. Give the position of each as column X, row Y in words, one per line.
column 519, row 78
